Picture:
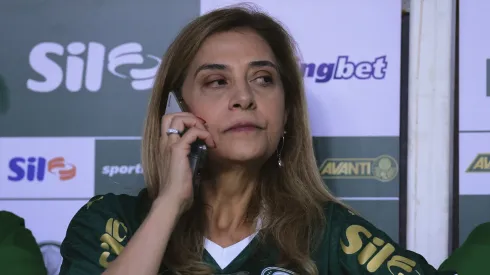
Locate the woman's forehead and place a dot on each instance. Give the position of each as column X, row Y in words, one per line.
column 232, row 48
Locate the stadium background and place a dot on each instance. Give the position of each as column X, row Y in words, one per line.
column 74, row 86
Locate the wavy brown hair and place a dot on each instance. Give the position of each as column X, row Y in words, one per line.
column 292, row 197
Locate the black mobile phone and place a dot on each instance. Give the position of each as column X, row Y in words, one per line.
column 199, row 149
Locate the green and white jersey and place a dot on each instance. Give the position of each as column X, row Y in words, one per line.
column 350, row 246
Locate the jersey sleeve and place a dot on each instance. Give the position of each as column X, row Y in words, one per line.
column 95, row 236
column 19, row 252
column 364, row 249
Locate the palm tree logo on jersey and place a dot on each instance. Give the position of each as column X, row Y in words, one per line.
column 276, row 271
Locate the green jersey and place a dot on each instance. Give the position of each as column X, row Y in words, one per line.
column 351, row 246
column 19, row 252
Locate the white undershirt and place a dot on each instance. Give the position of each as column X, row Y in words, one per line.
column 223, row 256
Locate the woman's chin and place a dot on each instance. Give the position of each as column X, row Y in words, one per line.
column 240, row 157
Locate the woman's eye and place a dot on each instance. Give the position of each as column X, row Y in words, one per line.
column 264, row 80
column 217, row 83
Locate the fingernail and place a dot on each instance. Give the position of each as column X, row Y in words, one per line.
column 201, row 119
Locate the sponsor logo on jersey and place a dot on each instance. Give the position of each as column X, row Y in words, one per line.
column 383, row 168
column 481, row 164
column 373, row 253
column 35, row 168
column 111, row 241
column 276, row 271
column 345, row 68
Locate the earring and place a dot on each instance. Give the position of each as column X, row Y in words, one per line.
column 279, row 159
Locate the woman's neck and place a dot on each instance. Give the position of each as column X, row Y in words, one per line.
column 228, row 198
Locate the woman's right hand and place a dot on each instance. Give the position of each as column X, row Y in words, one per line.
column 174, row 172
column 144, row 252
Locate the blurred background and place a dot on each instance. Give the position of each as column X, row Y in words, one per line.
column 75, row 78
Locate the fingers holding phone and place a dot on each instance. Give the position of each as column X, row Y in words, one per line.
column 179, row 122
column 188, row 130
column 181, row 134
column 176, row 174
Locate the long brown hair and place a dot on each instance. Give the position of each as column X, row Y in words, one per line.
column 292, row 197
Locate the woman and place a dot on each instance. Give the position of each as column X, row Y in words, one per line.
column 261, row 206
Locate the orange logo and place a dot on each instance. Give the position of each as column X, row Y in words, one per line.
column 65, row 171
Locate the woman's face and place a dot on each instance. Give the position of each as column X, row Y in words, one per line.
column 233, row 84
